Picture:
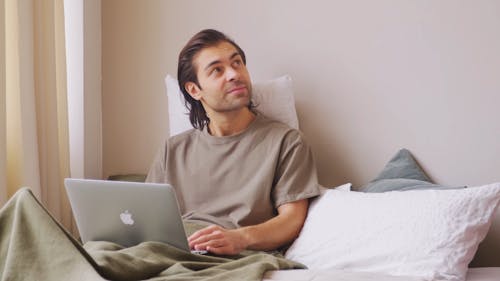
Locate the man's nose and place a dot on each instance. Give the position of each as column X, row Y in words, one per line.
column 232, row 74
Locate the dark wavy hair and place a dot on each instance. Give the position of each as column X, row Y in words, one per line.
column 186, row 71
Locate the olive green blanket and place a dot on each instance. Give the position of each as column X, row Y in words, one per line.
column 34, row 246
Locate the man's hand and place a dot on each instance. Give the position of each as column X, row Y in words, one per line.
column 218, row 240
column 276, row 232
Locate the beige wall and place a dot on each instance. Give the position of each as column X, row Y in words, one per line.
column 370, row 77
column 92, row 73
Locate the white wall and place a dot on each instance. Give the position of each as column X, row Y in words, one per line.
column 370, row 77
column 83, row 57
column 73, row 19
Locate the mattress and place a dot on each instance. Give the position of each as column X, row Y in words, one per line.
column 474, row 274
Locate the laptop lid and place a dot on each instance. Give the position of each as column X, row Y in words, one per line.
column 126, row 213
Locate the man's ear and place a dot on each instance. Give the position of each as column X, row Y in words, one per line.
column 193, row 90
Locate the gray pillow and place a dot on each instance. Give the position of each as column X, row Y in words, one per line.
column 401, row 173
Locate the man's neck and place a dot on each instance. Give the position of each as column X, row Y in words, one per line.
column 230, row 123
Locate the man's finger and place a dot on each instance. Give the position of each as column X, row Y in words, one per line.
column 213, row 236
column 218, row 243
column 201, row 232
column 200, row 240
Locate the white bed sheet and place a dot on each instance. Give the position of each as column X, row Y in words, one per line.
column 474, row 274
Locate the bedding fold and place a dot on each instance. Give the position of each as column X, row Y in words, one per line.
column 34, row 246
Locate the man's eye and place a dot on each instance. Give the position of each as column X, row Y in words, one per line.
column 215, row 70
column 237, row 62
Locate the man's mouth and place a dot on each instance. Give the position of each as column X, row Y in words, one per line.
column 237, row 90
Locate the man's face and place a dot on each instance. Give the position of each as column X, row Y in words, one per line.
column 223, row 78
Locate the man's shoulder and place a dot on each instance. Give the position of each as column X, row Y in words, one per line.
column 183, row 138
column 271, row 124
column 274, row 133
column 278, row 128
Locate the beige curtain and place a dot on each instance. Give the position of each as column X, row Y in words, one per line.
column 34, row 125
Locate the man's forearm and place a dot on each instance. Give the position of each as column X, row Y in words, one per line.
column 279, row 230
column 270, row 235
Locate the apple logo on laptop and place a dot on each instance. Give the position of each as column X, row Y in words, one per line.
column 126, row 218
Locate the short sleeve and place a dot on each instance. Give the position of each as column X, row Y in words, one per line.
column 157, row 171
column 295, row 177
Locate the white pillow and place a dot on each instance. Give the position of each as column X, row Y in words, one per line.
column 273, row 98
column 432, row 234
column 344, row 187
column 178, row 115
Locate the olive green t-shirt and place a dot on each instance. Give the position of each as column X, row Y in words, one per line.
column 237, row 180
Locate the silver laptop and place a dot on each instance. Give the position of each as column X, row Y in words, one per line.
column 126, row 213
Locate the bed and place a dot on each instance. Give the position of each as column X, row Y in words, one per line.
column 473, row 274
column 484, row 267
column 400, row 228
column 34, row 246
column 401, row 180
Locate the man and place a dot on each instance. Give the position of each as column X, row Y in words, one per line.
column 247, row 177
